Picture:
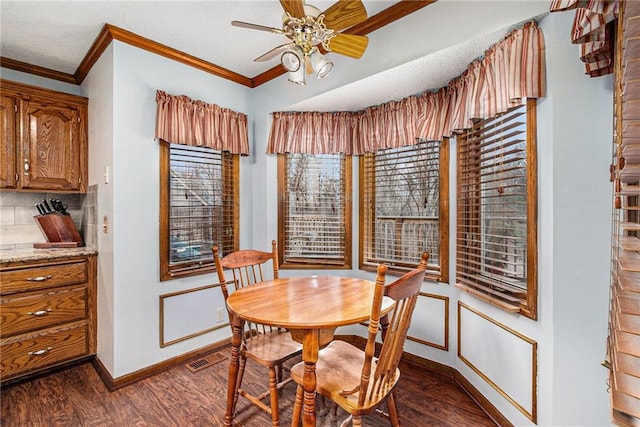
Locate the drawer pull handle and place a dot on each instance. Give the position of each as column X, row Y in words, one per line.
column 39, row 278
column 39, row 313
column 39, row 352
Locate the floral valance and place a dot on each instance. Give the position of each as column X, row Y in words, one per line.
column 510, row 71
column 181, row 120
column 591, row 32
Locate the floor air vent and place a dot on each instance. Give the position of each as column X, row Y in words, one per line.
column 205, row 362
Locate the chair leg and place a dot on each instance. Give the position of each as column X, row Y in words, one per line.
column 297, row 407
column 393, row 410
column 243, row 362
column 334, row 413
column 273, row 389
column 356, row 421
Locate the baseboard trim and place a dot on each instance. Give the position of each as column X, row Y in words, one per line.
column 113, row 384
column 488, row 408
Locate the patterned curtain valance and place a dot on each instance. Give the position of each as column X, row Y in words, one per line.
column 312, row 133
column 591, row 32
column 181, row 120
column 510, row 71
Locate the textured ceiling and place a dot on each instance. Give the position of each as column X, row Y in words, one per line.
column 57, row 34
column 419, row 52
column 426, row 73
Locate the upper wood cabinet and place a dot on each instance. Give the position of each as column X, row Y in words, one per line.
column 44, row 139
column 8, row 109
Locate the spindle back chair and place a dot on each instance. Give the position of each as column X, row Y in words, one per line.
column 357, row 380
column 265, row 345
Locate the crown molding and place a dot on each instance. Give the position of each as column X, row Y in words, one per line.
column 111, row 32
column 36, row 70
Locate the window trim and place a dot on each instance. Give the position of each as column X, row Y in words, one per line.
column 528, row 305
column 168, row 272
column 440, row 274
column 347, row 264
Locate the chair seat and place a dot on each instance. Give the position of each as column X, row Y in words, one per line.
column 272, row 348
column 338, row 369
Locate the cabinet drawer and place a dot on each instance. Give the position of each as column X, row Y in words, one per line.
column 30, row 352
column 28, row 311
column 45, row 276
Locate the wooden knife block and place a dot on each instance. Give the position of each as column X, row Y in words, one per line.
column 59, row 230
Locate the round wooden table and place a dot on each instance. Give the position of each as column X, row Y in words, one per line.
column 311, row 308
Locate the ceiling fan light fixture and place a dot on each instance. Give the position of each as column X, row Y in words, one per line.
column 320, row 65
column 291, row 61
column 298, row 76
column 311, row 33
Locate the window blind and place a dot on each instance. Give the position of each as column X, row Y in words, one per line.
column 400, row 203
column 201, row 205
column 315, row 210
column 623, row 346
column 496, row 220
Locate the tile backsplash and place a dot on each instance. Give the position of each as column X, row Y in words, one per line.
column 17, row 209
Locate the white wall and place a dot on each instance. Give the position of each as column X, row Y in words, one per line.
column 123, row 109
column 99, row 84
column 582, row 111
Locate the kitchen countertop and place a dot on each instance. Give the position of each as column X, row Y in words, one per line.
column 23, row 253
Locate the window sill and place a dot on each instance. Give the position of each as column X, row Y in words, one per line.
column 431, row 275
column 488, row 298
column 187, row 272
column 293, row 266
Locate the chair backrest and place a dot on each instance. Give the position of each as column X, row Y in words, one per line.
column 404, row 291
column 248, row 267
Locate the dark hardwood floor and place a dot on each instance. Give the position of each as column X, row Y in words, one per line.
column 179, row 397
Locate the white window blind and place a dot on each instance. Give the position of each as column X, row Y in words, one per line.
column 496, row 196
column 400, row 207
column 314, row 210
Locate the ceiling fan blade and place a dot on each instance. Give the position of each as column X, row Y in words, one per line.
column 349, row 45
column 256, row 27
column 274, row 52
column 344, row 14
column 294, row 8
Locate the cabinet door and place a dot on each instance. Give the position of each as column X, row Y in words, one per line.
column 51, row 145
column 8, row 113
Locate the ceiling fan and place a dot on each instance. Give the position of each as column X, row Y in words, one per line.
column 309, row 30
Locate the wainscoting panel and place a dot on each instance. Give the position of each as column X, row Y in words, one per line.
column 503, row 357
column 199, row 304
column 430, row 322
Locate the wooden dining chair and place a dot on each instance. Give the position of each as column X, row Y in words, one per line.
column 356, row 380
column 265, row 345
